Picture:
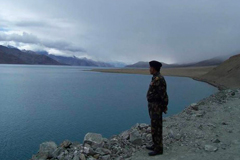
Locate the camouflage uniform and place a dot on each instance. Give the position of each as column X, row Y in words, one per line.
column 157, row 101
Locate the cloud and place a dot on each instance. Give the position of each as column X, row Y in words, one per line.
column 130, row 31
column 31, row 39
column 30, row 23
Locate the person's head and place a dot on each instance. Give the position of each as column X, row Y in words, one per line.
column 155, row 67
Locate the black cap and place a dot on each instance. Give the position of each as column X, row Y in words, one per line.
column 155, row 64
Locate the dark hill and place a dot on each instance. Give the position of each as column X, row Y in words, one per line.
column 209, row 62
column 74, row 61
column 9, row 59
column 227, row 74
column 16, row 56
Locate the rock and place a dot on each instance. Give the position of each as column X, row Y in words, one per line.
column 119, row 158
column 96, row 156
column 194, row 106
column 76, row 157
column 216, row 141
column 143, row 125
column 57, row 152
column 102, row 151
column 46, row 150
column 149, row 129
column 125, row 135
column 94, row 139
column 66, row 144
column 224, row 123
column 210, row 148
column 47, row 147
column 170, row 134
column 106, row 157
column 82, row 157
column 199, row 115
column 135, row 137
column 223, row 146
column 60, row 156
column 211, row 125
column 149, row 137
column 135, row 126
column 91, row 152
column 86, row 150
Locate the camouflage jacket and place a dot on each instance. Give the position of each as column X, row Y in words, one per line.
column 157, row 92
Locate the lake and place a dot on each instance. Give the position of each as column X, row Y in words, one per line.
column 55, row 103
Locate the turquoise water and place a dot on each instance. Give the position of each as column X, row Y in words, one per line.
column 54, row 103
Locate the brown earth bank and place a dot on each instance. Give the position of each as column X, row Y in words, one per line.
column 224, row 76
column 192, row 72
column 208, row 129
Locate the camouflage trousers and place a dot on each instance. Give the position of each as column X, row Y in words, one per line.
column 155, row 113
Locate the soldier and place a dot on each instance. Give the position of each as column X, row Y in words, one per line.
column 157, row 103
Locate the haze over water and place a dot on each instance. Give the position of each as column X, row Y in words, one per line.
column 54, row 103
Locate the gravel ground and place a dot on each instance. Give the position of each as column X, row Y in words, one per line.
column 206, row 130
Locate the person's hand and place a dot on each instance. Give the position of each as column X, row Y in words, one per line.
column 165, row 110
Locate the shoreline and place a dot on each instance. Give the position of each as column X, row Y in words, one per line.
column 207, row 129
column 191, row 72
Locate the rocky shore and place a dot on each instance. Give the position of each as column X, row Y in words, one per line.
column 208, row 129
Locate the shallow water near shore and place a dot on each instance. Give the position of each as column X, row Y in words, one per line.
column 54, row 103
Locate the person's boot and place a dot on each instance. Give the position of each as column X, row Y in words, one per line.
column 156, row 152
column 150, row 147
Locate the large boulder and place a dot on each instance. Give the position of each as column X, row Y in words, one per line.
column 125, row 135
column 135, row 137
column 93, row 139
column 46, row 150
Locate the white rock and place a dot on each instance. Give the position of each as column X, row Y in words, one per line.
column 47, row 147
column 210, row 148
column 93, row 138
column 135, row 137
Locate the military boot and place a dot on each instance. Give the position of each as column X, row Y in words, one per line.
column 150, row 147
column 156, row 152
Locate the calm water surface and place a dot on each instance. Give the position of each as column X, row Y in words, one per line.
column 54, row 103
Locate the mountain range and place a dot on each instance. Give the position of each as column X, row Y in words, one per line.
column 209, row 62
column 12, row 55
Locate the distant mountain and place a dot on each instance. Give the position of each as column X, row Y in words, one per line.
column 9, row 59
column 74, row 61
column 11, row 55
column 209, row 62
column 42, row 52
column 228, row 73
column 118, row 64
column 143, row 65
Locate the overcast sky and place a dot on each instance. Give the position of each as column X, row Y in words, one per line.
column 176, row 31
